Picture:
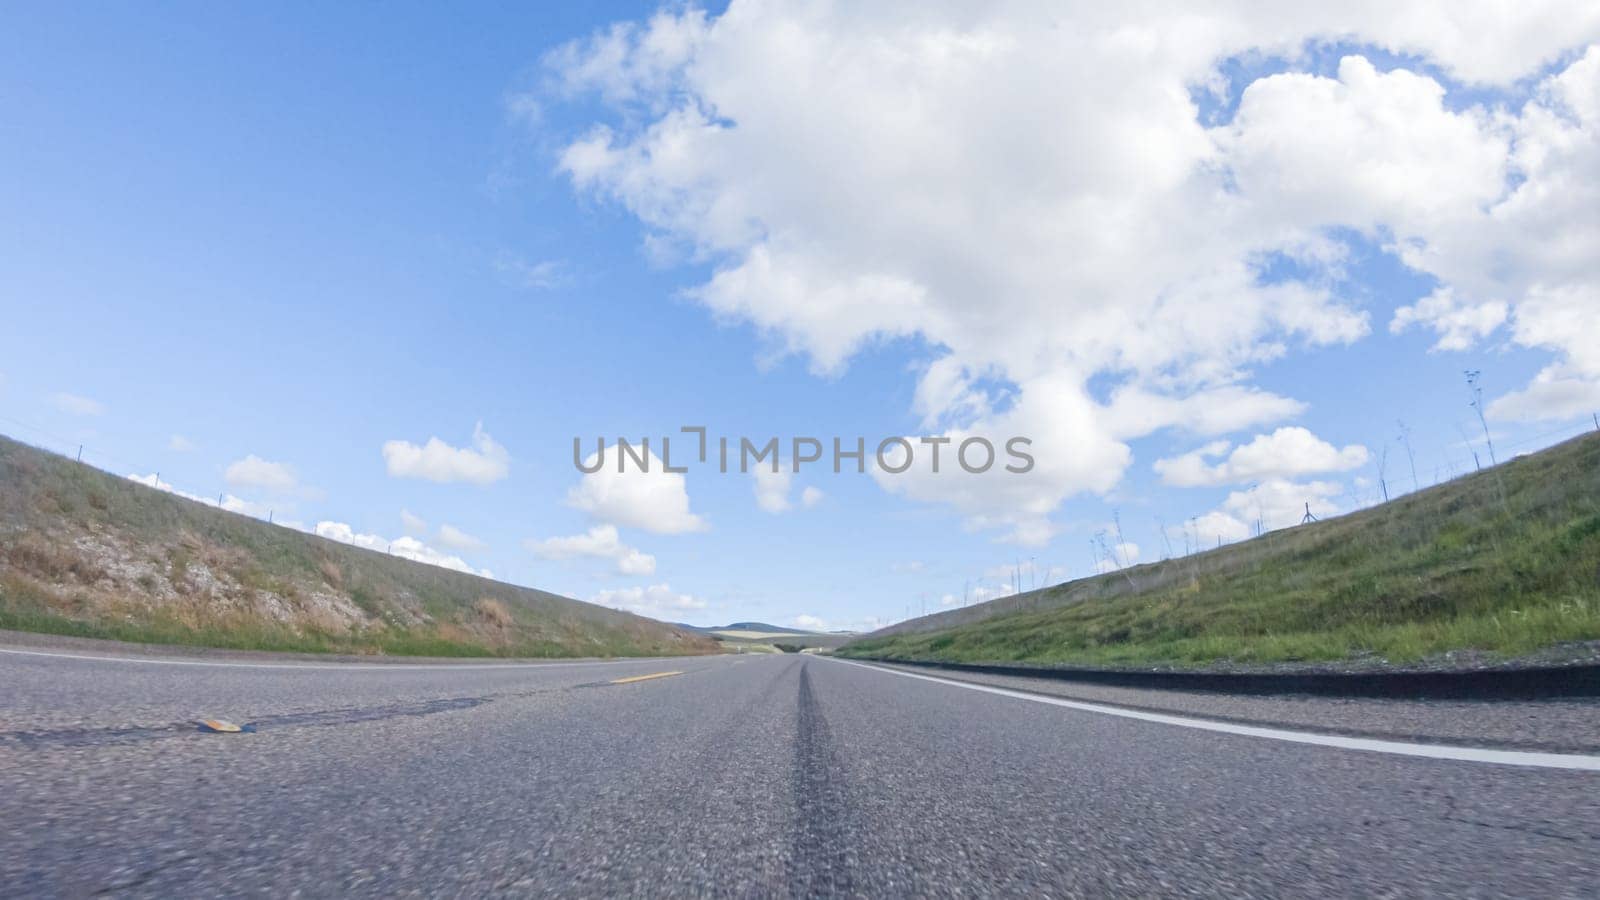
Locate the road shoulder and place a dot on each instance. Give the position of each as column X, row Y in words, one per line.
column 1565, row 725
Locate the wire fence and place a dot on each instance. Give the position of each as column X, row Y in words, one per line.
column 1108, row 549
column 1369, row 486
column 146, row 474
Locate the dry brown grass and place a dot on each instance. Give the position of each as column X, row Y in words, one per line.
column 331, row 574
column 86, row 552
column 493, row 612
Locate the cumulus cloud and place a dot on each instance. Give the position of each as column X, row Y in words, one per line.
column 984, row 592
column 810, row 622
column 456, row 539
column 255, row 472
column 1459, row 325
column 658, row 601
column 1557, row 392
column 1274, row 503
column 413, row 523
column 861, row 173
column 405, row 547
column 76, row 405
column 656, row 501
column 485, row 462
column 1518, row 245
column 600, row 542
column 1120, row 556
column 772, row 488
column 1286, row 453
column 226, row 501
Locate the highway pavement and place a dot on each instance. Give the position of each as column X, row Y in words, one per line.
column 747, row 776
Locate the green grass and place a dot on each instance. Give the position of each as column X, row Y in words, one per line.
column 52, row 507
column 1505, row 562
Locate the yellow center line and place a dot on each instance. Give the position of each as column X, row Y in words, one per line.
column 634, row 678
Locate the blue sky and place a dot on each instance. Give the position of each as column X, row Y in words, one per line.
column 297, row 235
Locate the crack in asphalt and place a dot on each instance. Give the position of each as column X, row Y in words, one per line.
column 91, row 737
column 128, row 734
column 143, row 876
column 1518, row 827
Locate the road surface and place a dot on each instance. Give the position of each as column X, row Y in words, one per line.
column 739, row 775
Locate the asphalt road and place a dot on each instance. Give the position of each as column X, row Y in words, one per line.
column 751, row 776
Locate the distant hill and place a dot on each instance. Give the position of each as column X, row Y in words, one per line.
column 1501, row 563
column 761, row 627
column 88, row 553
column 750, row 633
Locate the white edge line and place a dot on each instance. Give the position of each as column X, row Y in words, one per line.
column 1397, row 748
column 357, row 667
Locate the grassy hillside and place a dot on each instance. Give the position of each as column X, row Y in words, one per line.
column 1505, row 562
column 83, row 552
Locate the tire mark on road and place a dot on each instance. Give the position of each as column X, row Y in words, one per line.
column 822, row 843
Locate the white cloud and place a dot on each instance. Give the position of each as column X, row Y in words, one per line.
column 810, row 622
column 657, row 601
column 1275, row 503
column 1005, row 572
column 227, row 501
column 179, row 444
column 656, row 501
column 1557, row 392
column 1216, row 528
column 75, row 405
column 255, row 472
column 1286, row 453
column 484, row 462
column 772, row 488
column 1497, row 206
column 405, row 547
column 533, row 276
column 413, row 524
column 1034, row 196
column 1121, row 556
column 983, row 592
column 635, row 562
column 456, row 539
column 1363, row 149
column 600, row 542
column 1459, row 325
